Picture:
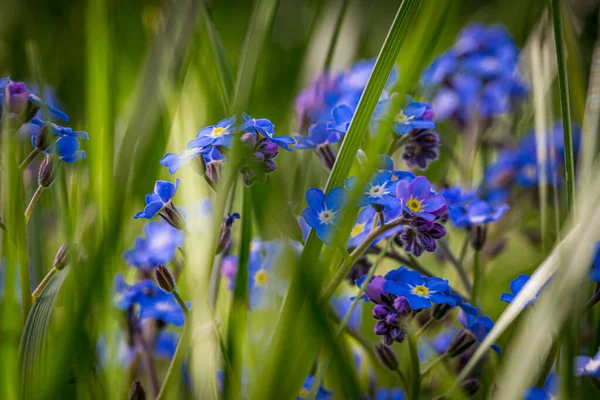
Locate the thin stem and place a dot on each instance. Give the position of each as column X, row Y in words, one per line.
column 463, row 250
column 2, row 226
column 341, row 273
column 460, row 269
column 548, row 364
column 336, row 33
column 415, row 365
column 592, row 300
column 43, row 283
column 476, row 278
column 425, row 327
column 29, row 159
column 403, row 380
column 433, row 364
column 565, row 105
column 180, row 301
column 32, row 203
column 146, row 356
column 177, row 361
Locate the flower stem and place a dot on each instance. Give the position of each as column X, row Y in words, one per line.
column 29, row 159
column 476, row 278
column 460, row 269
column 43, row 283
column 341, row 273
column 433, row 364
column 425, row 327
column 336, row 33
column 415, row 372
column 565, row 105
column 180, row 301
column 403, row 380
column 177, row 361
column 32, row 203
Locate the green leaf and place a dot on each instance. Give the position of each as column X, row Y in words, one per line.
column 33, row 350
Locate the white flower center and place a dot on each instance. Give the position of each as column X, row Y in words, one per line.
column 327, row 216
column 403, row 118
column 592, row 366
column 377, row 190
column 163, row 306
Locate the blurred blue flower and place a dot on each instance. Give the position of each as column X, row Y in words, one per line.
column 418, row 200
column 414, row 116
column 515, row 287
column 588, row 366
column 548, row 392
column 322, row 393
column 420, row 291
column 342, row 116
column 318, row 135
column 158, row 199
column 158, row 247
column 266, row 129
column 341, row 306
column 17, row 95
column 362, row 226
column 479, row 212
column 478, row 325
column 175, row 161
column 220, row 134
column 389, row 394
column 68, row 147
column 324, row 211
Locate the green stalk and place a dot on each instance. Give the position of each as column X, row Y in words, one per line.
column 415, row 365
column 336, row 33
column 476, row 278
column 177, row 361
column 433, row 364
column 565, row 105
column 33, row 202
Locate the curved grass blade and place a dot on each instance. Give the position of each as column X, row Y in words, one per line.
column 34, row 341
column 294, row 325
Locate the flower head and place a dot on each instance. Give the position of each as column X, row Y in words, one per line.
column 421, row 149
column 220, row 134
column 420, row 291
column 157, row 247
column 175, row 161
column 163, row 192
column 414, row 116
column 417, row 199
column 588, row 366
column 515, row 287
column 381, row 190
column 421, row 236
column 318, row 135
column 323, row 211
column 265, row 128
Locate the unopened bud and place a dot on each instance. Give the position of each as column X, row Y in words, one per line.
column 461, row 343
column 43, row 139
column 478, row 236
column 137, row 391
column 225, row 235
column 440, row 311
column 62, row 257
column 471, row 386
column 47, row 171
column 174, row 217
column 387, row 356
column 164, row 279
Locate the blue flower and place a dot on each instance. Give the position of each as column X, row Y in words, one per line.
column 420, row 291
column 323, row 212
column 67, row 149
column 478, row 325
column 515, row 287
column 342, row 116
column 7, row 89
column 318, row 135
column 266, row 129
column 418, row 200
column 595, row 270
column 158, row 247
column 220, row 134
column 480, row 212
column 322, row 393
column 175, row 161
column 263, row 284
column 414, row 116
column 548, row 392
column 157, row 200
column 588, row 366
column 362, row 226
column 380, row 191
column 67, row 145
column 389, row 394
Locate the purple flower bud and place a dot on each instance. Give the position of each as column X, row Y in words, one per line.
column 438, row 231
column 17, row 97
column 381, row 328
column 269, row 166
column 392, row 318
column 165, row 279
column 402, row 306
column 397, row 334
column 376, row 289
column 268, row 148
column 249, row 139
column 380, row 311
column 386, row 356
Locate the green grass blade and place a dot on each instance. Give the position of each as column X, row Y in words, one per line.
column 33, row 350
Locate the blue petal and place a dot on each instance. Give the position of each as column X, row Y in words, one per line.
column 418, row 302
column 166, row 190
column 315, row 198
column 311, row 217
column 150, row 210
column 336, row 198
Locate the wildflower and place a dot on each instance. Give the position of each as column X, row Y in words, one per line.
column 478, row 325
column 362, row 226
column 175, row 161
column 414, row 116
column 157, row 247
column 480, row 212
column 314, row 103
column 322, row 393
column 265, row 128
column 588, row 366
column 318, row 136
column 417, row 200
column 342, row 116
column 67, row 149
column 380, row 191
column 220, row 134
column 421, row 149
column 389, row 394
column 264, row 285
column 260, row 163
column 156, row 201
column 16, row 97
column 324, row 211
column 548, row 392
column 229, row 267
column 420, row 291
column 515, row 287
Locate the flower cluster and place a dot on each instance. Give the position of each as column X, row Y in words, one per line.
column 465, row 209
column 207, row 151
column 478, row 76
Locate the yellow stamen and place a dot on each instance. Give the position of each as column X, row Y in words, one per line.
column 414, row 205
column 261, row 277
column 421, row 290
column 357, row 230
column 218, row 132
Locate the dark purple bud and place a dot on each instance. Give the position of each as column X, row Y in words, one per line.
column 392, row 318
column 43, row 139
column 231, row 218
column 258, row 156
column 249, row 139
column 137, row 391
column 173, row 217
column 471, row 386
column 16, row 96
column 381, row 328
column 402, row 306
column 62, row 257
column 397, row 334
column 164, row 279
column 421, row 149
column 440, row 311
column 376, row 289
column 269, row 166
column 437, row 231
column 478, row 236
column 47, row 171
column 387, row 356
column 380, row 311
column 360, row 268
column 378, row 207
column 267, row 148
column 461, row 343
column 387, row 340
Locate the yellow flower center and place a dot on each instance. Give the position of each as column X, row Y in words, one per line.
column 303, row 393
column 421, row 290
column 357, row 230
column 414, row 205
column 218, row 132
column 261, row 277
